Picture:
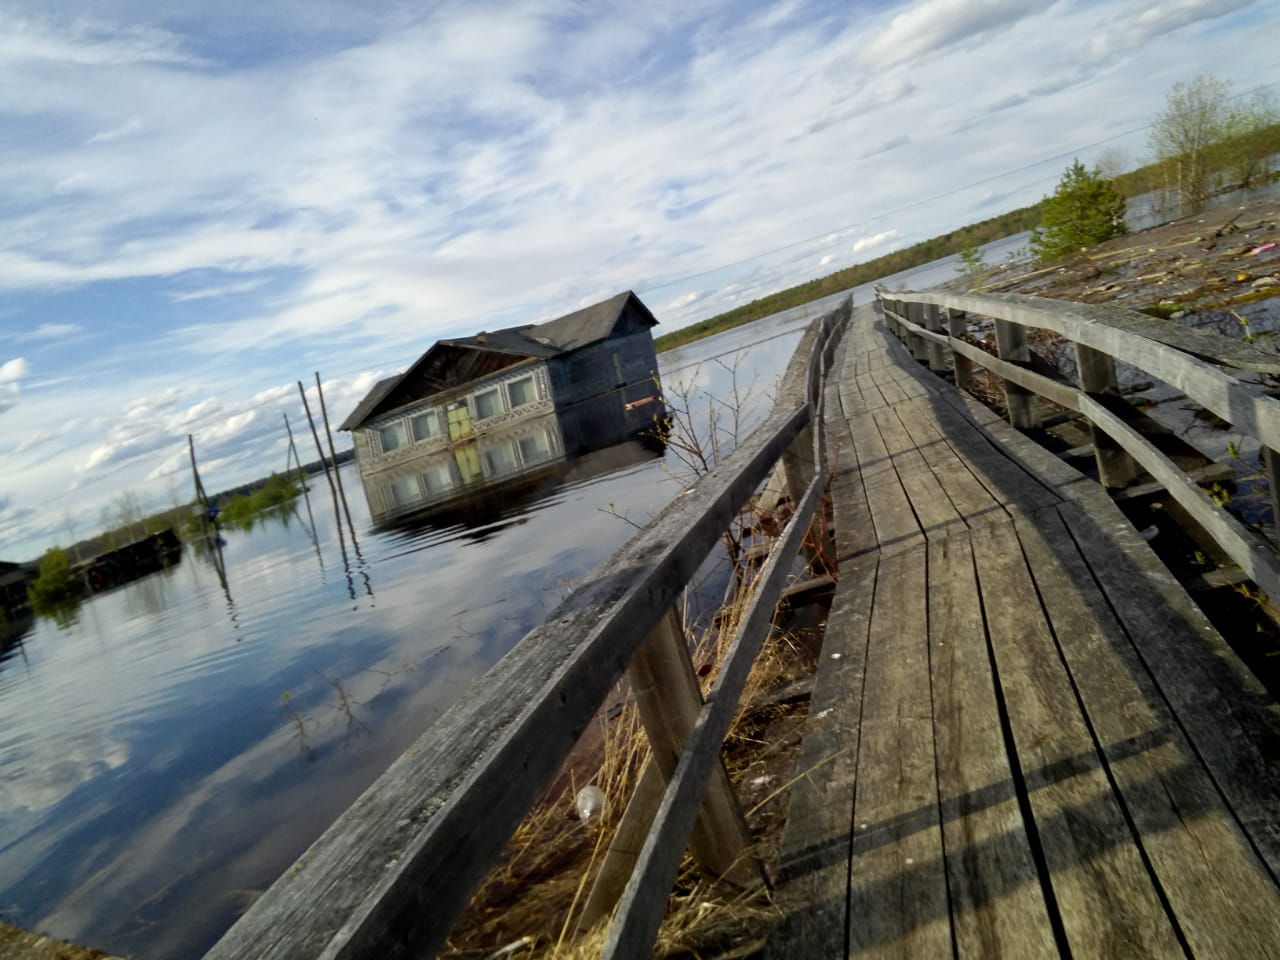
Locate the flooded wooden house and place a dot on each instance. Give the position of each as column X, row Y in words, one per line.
column 474, row 410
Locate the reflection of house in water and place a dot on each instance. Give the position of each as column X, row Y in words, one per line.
column 496, row 406
column 403, row 498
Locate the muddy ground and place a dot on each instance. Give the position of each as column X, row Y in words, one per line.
column 1227, row 258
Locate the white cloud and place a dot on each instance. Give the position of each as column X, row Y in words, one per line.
column 11, row 371
column 132, row 125
column 481, row 165
column 49, row 331
column 930, row 26
column 1134, row 25
column 869, row 243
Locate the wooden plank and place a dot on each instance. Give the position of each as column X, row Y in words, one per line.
column 895, row 522
column 813, row 867
column 932, row 506
column 855, row 531
column 635, row 924
column 1100, row 884
column 1067, row 318
column 938, row 346
column 997, row 905
column 1229, row 718
column 1225, row 902
column 1097, row 372
column 391, row 874
column 1245, row 405
column 898, row 890
column 891, row 389
column 624, row 848
column 1032, row 460
column 991, row 462
column 669, row 699
column 1022, row 404
column 1249, row 551
column 971, row 498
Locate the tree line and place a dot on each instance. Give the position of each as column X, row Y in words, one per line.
column 1205, row 141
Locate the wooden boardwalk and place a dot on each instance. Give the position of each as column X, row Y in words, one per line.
column 1024, row 740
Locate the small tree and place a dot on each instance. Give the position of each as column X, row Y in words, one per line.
column 1083, row 211
column 973, row 266
column 55, row 588
column 1250, row 138
column 1183, row 135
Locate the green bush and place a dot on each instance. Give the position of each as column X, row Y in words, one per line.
column 55, row 588
column 1085, row 210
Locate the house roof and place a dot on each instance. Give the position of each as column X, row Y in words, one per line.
column 430, row 372
column 371, row 399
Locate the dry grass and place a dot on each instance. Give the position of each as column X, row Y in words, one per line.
column 530, row 904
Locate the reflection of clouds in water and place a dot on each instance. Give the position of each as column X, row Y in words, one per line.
column 216, row 792
column 42, row 772
column 205, row 855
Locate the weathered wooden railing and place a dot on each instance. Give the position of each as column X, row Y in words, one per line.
column 933, row 325
column 392, row 874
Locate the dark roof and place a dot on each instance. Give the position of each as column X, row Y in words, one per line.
column 532, row 340
column 371, row 400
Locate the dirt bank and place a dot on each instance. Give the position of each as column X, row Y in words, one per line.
column 1227, row 258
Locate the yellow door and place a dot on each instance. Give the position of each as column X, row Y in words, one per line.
column 468, row 460
column 459, row 421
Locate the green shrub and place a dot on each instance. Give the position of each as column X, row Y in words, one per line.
column 1085, row 210
column 55, row 588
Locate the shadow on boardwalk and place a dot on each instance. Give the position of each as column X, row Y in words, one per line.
column 1031, row 742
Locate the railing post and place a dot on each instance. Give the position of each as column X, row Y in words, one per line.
column 1097, row 371
column 798, row 471
column 937, row 353
column 957, row 325
column 669, row 699
column 917, row 346
column 1011, row 345
column 1271, row 464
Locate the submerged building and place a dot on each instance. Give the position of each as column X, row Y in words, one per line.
column 476, row 410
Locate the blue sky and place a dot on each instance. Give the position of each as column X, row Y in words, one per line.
column 204, row 203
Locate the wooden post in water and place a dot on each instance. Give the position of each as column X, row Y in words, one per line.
column 937, row 353
column 302, row 479
column 333, row 455
column 1097, row 370
column 1011, row 345
column 195, row 475
column 342, row 539
column 667, row 694
column 957, row 323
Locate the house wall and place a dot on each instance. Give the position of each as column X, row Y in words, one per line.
column 601, row 391
column 431, row 477
column 373, row 440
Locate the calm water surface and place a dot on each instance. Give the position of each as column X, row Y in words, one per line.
column 168, row 754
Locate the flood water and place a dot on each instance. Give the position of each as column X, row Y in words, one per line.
column 166, row 755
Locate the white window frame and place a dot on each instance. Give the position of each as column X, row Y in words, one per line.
column 498, row 394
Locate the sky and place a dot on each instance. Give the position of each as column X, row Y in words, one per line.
column 205, row 203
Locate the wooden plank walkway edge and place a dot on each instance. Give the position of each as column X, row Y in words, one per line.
column 1024, row 739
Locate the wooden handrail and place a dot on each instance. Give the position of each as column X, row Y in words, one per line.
column 1183, row 358
column 392, row 874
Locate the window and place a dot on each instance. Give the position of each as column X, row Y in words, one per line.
column 500, row 460
column 392, row 436
column 535, row 448
column 437, row 479
column 521, row 391
column 488, row 404
column 425, row 426
column 405, row 491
